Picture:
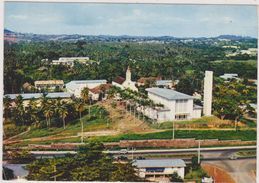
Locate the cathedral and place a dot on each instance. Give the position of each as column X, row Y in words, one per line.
column 125, row 83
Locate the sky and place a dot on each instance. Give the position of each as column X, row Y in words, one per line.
column 130, row 19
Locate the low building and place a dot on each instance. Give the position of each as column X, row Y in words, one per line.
column 151, row 169
column 176, row 105
column 228, row 76
column 70, row 61
column 49, row 84
column 75, row 87
column 99, row 90
column 147, row 81
column 125, row 83
column 35, row 96
column 166, row 83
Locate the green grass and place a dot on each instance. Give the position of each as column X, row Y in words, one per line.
column 71, row 129
column 202, row 122
column 246, row 153
column 195, row 174
column 250, row 123
column 245, row 135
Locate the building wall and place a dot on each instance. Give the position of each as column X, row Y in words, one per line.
column 171, row 105
column 118, row 85
column 130, row 85
column 167, row 171
column 77, row 88
column 196, row 113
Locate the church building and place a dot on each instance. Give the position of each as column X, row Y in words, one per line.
column 125, row 83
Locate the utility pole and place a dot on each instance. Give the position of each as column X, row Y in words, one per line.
column 132, row 155
column 82, row 132
column 173, row 130
column 199, row 152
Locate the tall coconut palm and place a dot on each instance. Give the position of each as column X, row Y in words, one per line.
column 85, row 94
column 79, row 106
column 62, row 111
column 85, row 97
column 48, row 113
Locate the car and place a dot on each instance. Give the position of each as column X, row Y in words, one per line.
column 123, row 151
column 233, row 157
column 140, row 158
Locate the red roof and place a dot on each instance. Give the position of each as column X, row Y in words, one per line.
column 119, row 80
column 99, row 88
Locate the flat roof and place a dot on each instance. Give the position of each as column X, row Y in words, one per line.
column 157, row 163
column 27, row 96
column 164, row 82
column 169, row 94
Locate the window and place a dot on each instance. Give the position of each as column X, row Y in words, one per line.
column 155, row 169
column 181, row 106
column 181, row 117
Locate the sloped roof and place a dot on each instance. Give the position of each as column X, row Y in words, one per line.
column 72, row 85
column 97, row 89
column 169, row 94
column 27, row 96
column 156, row 163
column 119, row 80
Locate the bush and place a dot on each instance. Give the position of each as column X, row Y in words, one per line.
column 7, row 174
column 175, row 177
column 12, row 130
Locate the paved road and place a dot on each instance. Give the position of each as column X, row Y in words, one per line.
column 240, row 170
column 204, row 149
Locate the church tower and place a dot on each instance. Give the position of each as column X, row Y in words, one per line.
column 128, row 74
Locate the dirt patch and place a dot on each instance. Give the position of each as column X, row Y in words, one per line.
column 124, row 121
column 99, row 133
column 219, row 175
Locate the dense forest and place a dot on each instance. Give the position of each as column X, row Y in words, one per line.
column 23, row 61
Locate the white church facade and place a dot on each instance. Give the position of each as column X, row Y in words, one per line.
column 176, row 105
column 124, row 83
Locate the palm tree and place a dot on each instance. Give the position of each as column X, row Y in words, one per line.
column 48, row 113
column 62, row 111
column 7, row 107
column 85, row 94
column 33, row 111
column 79, row 106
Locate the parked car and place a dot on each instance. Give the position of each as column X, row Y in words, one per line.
column 123, row 151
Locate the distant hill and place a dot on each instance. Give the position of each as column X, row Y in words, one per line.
column 233, row 37
column 111, row 38
column 7, row 31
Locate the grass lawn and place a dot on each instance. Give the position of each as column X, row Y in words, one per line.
column 203, row 122
column 246, row 153
column 71, row 129
column 244, row 135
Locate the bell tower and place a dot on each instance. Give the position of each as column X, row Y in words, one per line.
column 128, row 74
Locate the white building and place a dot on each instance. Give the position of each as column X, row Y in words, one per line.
column 176, row 105
column 125, row 83
column 69, row 61
column 157, row 168
column 228, row 76
column 27, row 97
column 49, row 84
column 166, row 83
column 77, row 86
